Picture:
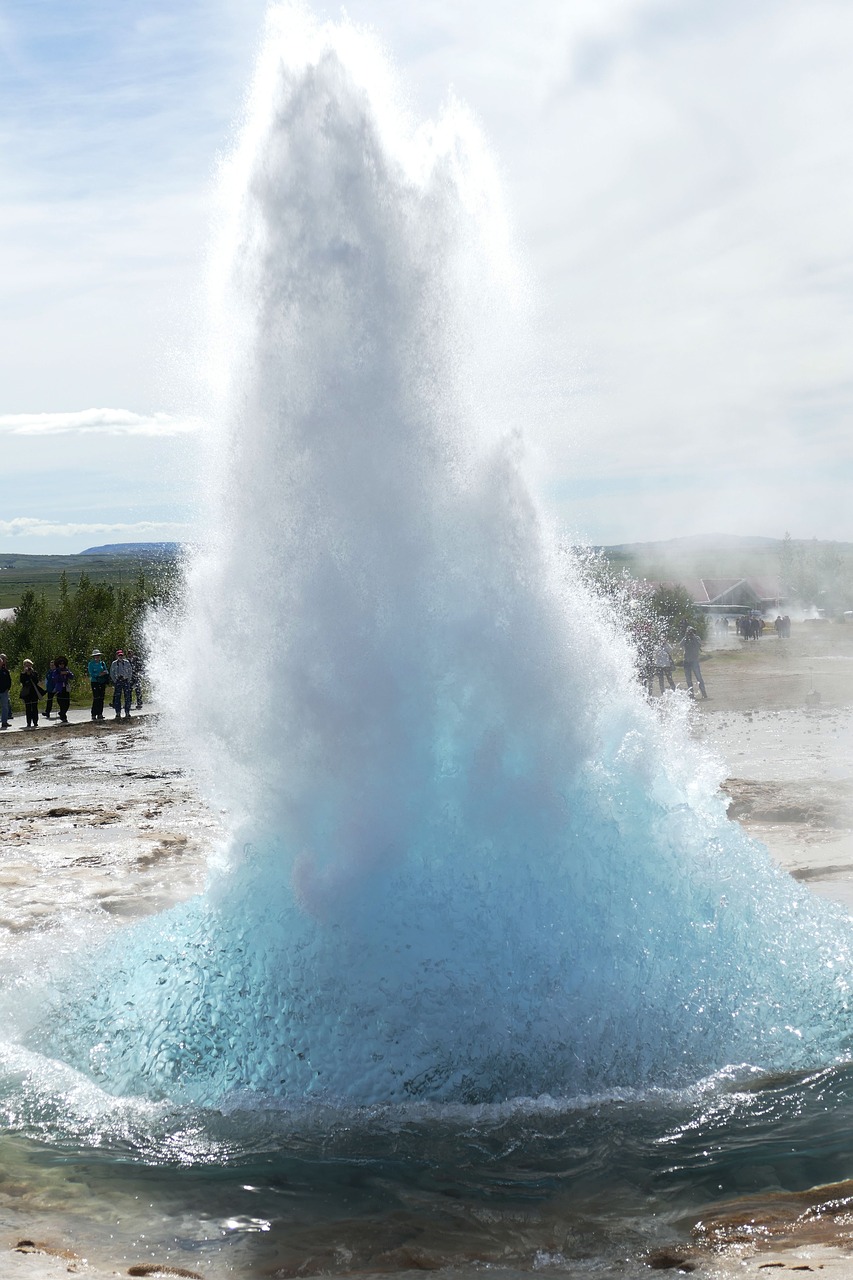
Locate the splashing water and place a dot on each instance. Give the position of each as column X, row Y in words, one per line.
column 467, row 862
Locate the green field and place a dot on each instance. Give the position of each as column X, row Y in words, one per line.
column 42, row 574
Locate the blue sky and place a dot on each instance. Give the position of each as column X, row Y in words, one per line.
column 679, row 175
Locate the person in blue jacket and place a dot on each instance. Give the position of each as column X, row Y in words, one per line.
column 50, row 685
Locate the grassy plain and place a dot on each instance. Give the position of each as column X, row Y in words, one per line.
column 42, row 574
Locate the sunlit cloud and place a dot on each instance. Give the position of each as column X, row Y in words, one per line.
column 107, row 422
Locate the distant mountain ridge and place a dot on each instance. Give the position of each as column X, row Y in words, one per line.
column 145, row 550
column 692, row 543
column 702, row 545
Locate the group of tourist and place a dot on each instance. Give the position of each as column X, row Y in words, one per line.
column 663, row 660
column 658, row 659
column 750, row 626
column 124, row 674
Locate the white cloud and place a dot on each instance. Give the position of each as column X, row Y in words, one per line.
column 109, row 422
column 685, row 194
column 140, row 531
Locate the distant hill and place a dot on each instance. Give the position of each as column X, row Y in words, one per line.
column 144, row 550
column 694, row 544
column 811, row 570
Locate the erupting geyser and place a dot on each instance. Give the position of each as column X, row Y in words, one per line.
column 467, row 861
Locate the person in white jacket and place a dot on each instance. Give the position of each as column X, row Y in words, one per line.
column 121, row 674
column 664, row 661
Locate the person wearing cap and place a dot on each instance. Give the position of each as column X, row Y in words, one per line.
column 98, row 678
column 121, row 674
column 5, row 686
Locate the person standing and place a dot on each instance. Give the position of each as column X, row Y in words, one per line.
column 62, row 680
column 121, row 674
column 98, row 678
column 50, row 685
column 692, row 646
column 31, row 691
column 138, row 674
column 664, row 660
column 5, row 686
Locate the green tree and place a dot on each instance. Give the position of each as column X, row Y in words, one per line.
column 673, row 610
column 94, row 615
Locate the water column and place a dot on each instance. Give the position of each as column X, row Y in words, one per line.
column 466, row 861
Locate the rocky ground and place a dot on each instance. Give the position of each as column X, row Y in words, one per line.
column 95, row 820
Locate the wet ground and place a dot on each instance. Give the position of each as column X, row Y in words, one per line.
column 780, row 714
column 100, row 825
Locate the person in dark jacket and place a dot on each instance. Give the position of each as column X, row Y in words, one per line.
column 5, row 686
column 692, row 646
column 31, row 691
column 138, row 675
column 62, row 681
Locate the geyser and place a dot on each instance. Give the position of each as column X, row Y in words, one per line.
column 467, row 861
